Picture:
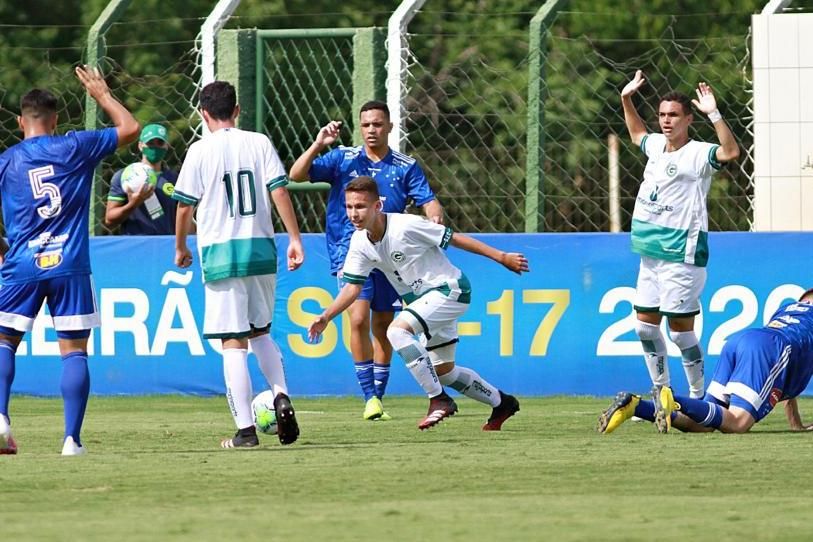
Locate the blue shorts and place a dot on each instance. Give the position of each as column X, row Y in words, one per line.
column 379, row 292
column 751, row 372
column 71, row 302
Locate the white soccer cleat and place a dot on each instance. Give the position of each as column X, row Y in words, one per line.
column 71, row 448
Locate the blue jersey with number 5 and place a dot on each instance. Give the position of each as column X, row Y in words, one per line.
column 45, row 185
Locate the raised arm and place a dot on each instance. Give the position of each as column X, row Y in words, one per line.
column 327, row 135
column 346, row 296
column 635, row 124
column 282, row 201
column 707, row 103
column 127, row 126
column 513, row 261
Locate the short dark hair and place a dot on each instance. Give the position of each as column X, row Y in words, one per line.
column 219, row 100
column 374, row 105
column 681, row 98
column 808, row 295
column 366, row 185
column 38, row 103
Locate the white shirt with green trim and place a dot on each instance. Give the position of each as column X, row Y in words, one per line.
column 411, row 255
column 670, row 220
column 229, row 175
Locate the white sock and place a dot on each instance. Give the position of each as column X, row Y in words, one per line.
column 654, row 352
column 238, row 386
column 471, row 384
column 416, row 358
column 269, row 358
column 692, row 358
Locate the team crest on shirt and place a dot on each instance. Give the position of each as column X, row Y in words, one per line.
column 397, row 256
column 168, row 189
column 671, row 170
column 48, row 260
column 775, row 396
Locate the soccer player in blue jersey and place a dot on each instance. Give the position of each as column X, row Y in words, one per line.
column 758, row 367
column 399, row 179
column 45, row 187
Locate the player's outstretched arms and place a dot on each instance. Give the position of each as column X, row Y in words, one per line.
column 794, row 418
column 127, row 127
column 328, row 134
column 349, row 293
column 513, row 261
column 706, row 103
column 634, row 122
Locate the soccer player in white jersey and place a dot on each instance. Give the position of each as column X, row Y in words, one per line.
column 409, row 251
column 232, row 176
column 670, row 225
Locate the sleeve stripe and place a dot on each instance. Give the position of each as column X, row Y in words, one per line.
column 184, row 198
column 713, row 157
column 273, row 184
column 643, row 143
column 116, row 198
column 447, row 236
column 353, row 279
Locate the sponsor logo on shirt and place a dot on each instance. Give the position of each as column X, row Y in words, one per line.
column 653, row 196
column 46, row 239
column 48, row 260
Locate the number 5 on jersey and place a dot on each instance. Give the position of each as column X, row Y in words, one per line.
column 42, row 189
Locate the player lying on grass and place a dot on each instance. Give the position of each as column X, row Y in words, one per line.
column 408, row 250
column 758, row 367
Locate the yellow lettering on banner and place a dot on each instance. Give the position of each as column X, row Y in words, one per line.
column 560, row 300
column 469, row 329
column 504, row 308
column 298, row 316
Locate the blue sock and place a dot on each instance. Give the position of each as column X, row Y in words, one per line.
column 703, row 412
column 366, row 378
column 75, row 387
column 7, row 355
column 382, row 376
column 645, row 410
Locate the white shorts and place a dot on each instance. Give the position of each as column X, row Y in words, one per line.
column 435, row 316
column 671, row 288
column 236, row 306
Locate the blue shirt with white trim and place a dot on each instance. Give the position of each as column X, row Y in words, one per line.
column 399, row 179
column 45, row 186
column 793, row 323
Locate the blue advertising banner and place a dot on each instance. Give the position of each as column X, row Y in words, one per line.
column 564, row 328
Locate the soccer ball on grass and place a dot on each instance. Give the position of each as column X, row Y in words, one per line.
column 265, row 417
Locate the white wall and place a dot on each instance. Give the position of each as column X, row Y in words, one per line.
column 783, row 121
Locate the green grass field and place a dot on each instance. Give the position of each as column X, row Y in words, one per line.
column 155, row 472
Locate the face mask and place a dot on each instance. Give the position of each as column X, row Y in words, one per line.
column 154, row 154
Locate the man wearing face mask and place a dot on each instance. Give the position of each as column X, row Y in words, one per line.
column 127, row 209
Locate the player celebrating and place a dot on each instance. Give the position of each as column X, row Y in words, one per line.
column 757, row 368
column 399, row 178
column 408, row 250
column 670, row 225
column 45, row 187
column 229, row 175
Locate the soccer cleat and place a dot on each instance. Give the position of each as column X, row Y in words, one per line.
column 664, row 407
column 7, row 444
column 440, row 407
column 243, row 438
column 71, row 448
column 384, row 417
column 287, row 428
column 373, row 409
column 621, row 410
column 508, row 407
